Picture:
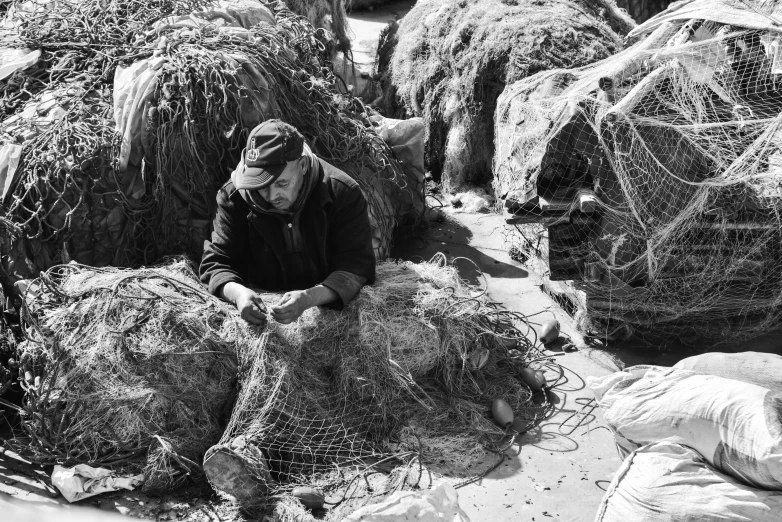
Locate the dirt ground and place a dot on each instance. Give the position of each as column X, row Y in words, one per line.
column 558, row 472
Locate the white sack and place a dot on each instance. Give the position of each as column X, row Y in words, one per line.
column 736, row 426
column 760, row 369
column 666, row 482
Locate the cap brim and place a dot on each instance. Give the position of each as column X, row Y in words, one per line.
column 254, row 178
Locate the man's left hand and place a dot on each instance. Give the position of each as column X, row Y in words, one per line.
column 292, row 305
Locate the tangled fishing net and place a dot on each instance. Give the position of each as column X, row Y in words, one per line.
column 134, row 370
column 116, row 141
column 453, row 58
column 654, row 177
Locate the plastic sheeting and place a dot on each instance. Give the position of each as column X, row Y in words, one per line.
column 440, row 504
column 83, row 481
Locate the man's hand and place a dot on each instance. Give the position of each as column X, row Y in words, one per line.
column 248, row 302
column 295, row 303
column 292, row 305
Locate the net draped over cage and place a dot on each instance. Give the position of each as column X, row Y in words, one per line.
column 651, row 179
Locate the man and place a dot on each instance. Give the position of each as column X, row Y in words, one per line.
column 287, row 221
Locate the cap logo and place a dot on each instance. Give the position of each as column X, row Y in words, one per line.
column 253, row 155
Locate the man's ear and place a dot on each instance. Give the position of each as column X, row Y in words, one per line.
column 304, row 163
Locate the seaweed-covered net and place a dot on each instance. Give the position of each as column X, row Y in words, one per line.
column 136, row 113
column 656, row 174
column 453, row 58
column 137, row 368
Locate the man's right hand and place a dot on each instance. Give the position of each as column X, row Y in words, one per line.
column 248, row 302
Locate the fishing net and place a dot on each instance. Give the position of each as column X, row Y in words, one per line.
column 134, row 370
column 130, row 123
column 651, row 179
column 453, row 58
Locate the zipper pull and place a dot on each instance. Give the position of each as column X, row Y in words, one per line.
column 290, row 225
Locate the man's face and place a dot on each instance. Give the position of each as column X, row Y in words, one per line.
column 283, row 192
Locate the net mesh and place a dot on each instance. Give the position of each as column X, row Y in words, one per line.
column 651, row 181
column 137, row 370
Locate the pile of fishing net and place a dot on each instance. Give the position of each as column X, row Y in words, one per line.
column 652, row 178
column 117, row 138
column 453, row 58
column 133, row 370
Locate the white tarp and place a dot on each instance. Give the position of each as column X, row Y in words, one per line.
column 83, row 481
column 12, row 60
column 9, row 161
column 440, row 504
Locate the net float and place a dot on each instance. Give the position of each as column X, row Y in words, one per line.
column 478, row 359
column 502, row 413
column 541, row 378
column 311, row 498
column 531, row 379
column 550, row 332
column 28, row 376
column 37, row 381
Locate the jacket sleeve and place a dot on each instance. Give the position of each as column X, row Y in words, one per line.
column 224, row 256
column 351, row 244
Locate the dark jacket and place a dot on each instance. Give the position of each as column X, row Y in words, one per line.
column 249, row 248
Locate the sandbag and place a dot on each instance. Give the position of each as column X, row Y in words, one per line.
column 666, row 482
column 761, row 369
column 736, row 426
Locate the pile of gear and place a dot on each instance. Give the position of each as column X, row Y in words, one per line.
column 651, row 179
column 120, row 121
column 453, row 58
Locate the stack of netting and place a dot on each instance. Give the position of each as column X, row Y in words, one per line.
column 117, row 140
column 133, row 370
column 453, row 58
column 654, row 175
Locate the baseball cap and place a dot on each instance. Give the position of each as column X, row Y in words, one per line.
column 270, row 146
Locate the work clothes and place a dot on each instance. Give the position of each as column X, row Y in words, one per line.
column 327, row 241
